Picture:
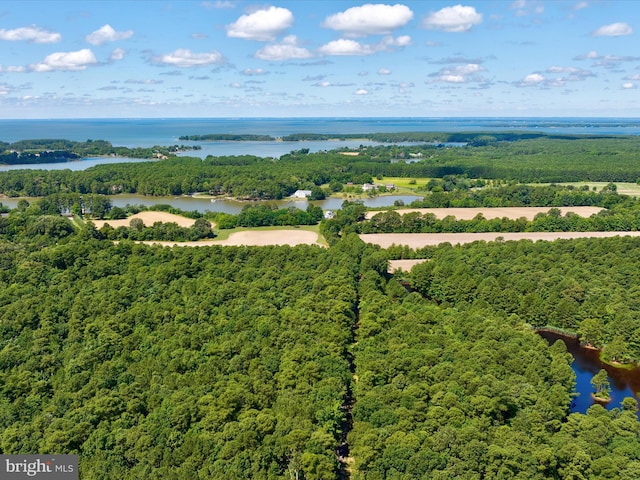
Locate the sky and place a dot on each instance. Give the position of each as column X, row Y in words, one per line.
column 319, row 58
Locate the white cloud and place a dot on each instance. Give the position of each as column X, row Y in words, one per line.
column 11, row 69
column 345, row 47
column 460, row 74
column 361, row 91
column 532, row 79
column 458, row 18
column 218, row 4
column 106, row 34
column 263, row 25
column 183, row 57
column 254, row 71
column 117, row 54
column 78, row 60
column 31, row 34
column 629, row 85
column 351, row 47
column 613, row 30
column 580, row 5
column 143, row 82
column 285, row 50
column 369, row 19
column 384, row 71
column 571, row 73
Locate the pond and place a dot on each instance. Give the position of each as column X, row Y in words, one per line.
column 586, row 363
column 204, row 204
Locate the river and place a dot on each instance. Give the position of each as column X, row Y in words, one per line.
column 586, row 363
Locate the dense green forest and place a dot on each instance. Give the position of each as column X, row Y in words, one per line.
column 280, row 362
column 54, row 150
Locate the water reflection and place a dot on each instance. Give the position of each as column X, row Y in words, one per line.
column 204, row 204
column 586, row 363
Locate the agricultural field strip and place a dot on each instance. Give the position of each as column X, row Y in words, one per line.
column 512, row 213
column 419, row 240
column 257, row 238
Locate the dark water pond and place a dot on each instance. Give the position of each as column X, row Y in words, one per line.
column 586, row 363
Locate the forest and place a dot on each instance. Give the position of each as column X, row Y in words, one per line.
column 541, row 159
column 57, row 151
column 312, row 363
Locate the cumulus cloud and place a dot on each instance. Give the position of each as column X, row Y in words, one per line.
column 351, row 47
column 618, row 29
column 361, row 91
column 527, row 7
column 459, row 74
column 369, row 19
column 571, row 73
column 254, row 71
column 345, row 47
column 117, row 54
column 532, row 79
column 31, row 34
column 183, row 57
column 628, row 85
column 106, row 34
column 458, row 18
column 606, row 61
column 61, row 61
column 287, row 49
column 384, row 71
column 263, row 25
column 11, row 69
column 218, row 4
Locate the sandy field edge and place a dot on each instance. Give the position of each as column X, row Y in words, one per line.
column 149, row 218
column 258, row 238
column 512, row 213
column 419, row 240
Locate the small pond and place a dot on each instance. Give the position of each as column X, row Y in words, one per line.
column 586, row 363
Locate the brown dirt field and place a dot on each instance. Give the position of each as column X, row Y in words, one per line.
column 254, row 238
column 512, row 213
column 149, row 218
column 405, row 265
column 419, row 240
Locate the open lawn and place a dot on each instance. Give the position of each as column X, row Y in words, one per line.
column 512, row 213
column 419, row 240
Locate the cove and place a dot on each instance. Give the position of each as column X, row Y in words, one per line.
column 586, row 363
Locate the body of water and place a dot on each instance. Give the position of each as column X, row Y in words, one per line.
column 586, row 363
column 203, row 205
column 150, row 132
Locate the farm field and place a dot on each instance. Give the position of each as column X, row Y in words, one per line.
column 253, row 238
column 149, row 218
column 512, row 213
column 419, row 240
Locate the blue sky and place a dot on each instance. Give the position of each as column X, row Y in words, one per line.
column 227, row 58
